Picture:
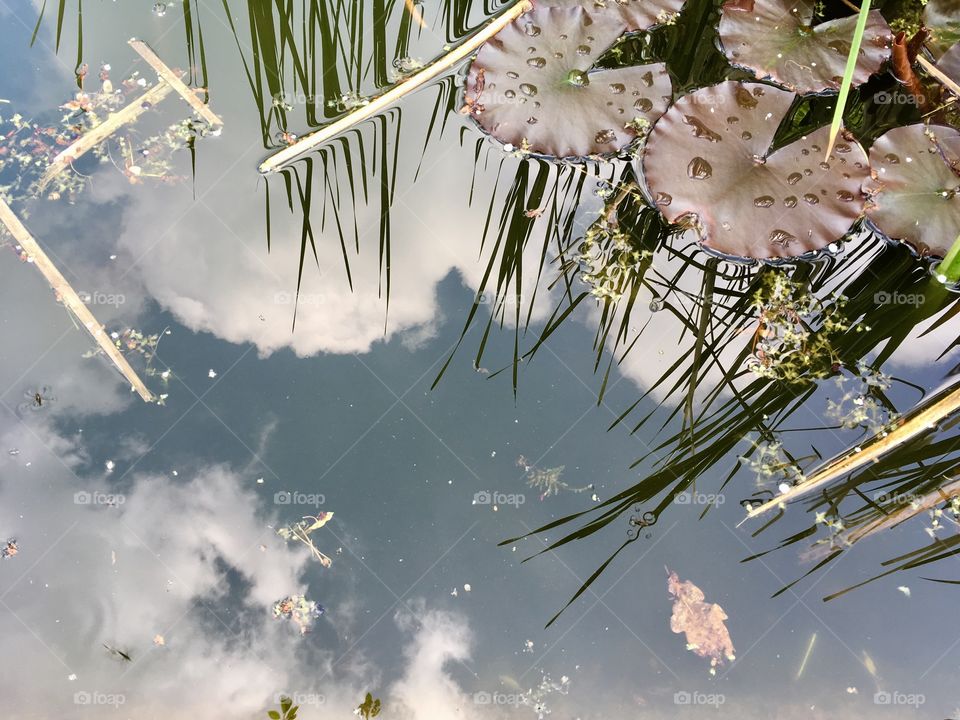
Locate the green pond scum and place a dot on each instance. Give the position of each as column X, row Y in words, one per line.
column 620, row 335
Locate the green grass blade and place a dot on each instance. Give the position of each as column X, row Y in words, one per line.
column 848, row 75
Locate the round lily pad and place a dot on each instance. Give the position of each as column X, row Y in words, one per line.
column 636, row 14
column 532, row 86
column 943, row 17
column 774, row 38
column 915, row 186
column 708, row 159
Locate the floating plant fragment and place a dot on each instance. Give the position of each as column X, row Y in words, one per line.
column 9, row 550
column 298, row 610
column 915, row 187
column 702, row 622
column 531, row 86
column 636, row 14
column 300, row 531
column 709, row 156
column 775, row 39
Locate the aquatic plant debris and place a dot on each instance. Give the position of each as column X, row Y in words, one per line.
column 9, row 550
column 709, row 157
column 300, row 531
column 703, row 623
column 636, row 14
column 532, row 88
column 915, row 186
column 298, row 610
column 775, row 39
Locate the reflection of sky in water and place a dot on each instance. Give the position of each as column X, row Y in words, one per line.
column 187, row 551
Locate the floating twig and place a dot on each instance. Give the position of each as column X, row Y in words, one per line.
column 104, row 130
column 173, row 79
column 70, row 298
column 939, row 75
column 379, row 103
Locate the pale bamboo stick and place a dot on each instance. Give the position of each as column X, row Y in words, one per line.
column 70, row 298
column 939, row 74
column 175, row 82
column 101, row 132
column 379, row 103
column 917, row 422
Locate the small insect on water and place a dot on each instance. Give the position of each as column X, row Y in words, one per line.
column 36, row 399
column 117, row 653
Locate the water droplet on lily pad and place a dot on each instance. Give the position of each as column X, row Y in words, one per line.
column 605, row 136
column 794, row 178
column 699, row 169
column 528, row 89
column 537, row 62
column 764, row 201
column 578, row 78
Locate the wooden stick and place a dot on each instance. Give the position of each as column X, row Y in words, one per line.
column 941, row 405
column 318, row 137
column 70, row 298
column 174, row 80
column 104, row 130
column 938, row 74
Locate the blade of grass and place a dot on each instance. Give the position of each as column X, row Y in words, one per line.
column 848, row 76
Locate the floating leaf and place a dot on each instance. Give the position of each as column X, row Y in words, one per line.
column 949, row 64
column 915, row 186
column 531, row 87
column 636, row 14
column 701, row 622
column 776, row 40
column 709, row 156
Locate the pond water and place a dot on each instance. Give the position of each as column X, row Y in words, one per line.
column 317, row 350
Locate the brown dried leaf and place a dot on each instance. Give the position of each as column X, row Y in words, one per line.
column 702, row 622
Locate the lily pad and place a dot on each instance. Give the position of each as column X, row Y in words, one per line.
column 775, row 39
column 943, row 17
column 709, row 158
column 949, row 64
column 532, row 87
column 636, row 14
column 915, row 187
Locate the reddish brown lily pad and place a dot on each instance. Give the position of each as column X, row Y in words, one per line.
column 532, row 87
column 708, row 160
column 915, row 187
column 949, row 64
column 636, row 14
column 775, row 39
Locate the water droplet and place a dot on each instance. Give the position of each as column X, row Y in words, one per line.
column 844, row 196
column 531, row 29
column 537, row 62
column 790, row 201
column 746, row 135
column 160, row 9
column 744, row 98
column 656, row 305
column 807, row 171
column 583, row 49
column 617, row 88
column 733, row 119
column 643, row 105
column 781, row 237
column 528, row 89
column 509, row 94
column 512, row 75
column 764, row 201
column 578, row 78
column 811, row 199
column 700, row 130
column 804, row 151
column 558, row 55
column 794, row 178
column 531, row 120
column 824, row 166
column 605, row 136
column 664, row 199
column 892, row 158
column 841, row 148
column 699, row 169
column 647, row 78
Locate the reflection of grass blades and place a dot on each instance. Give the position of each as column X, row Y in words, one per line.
column 851, row 67
column 61, row 12
column 920, row 420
